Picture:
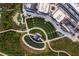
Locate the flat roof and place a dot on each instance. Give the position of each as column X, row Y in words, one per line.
column 28, row 5
column 59, row 15
column 43, row 7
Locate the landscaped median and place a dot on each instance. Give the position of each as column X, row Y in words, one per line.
column 66, row 44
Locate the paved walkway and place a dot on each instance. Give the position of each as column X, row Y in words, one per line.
column 31, row 46
column 3, row 54
column 48, row 41
column 47, row 18
column 15, row 18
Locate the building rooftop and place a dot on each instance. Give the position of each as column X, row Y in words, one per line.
column 59, row 15
column 43, row 7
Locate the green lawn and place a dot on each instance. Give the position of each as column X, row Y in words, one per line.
column 6, row 16
column 10, row 43
column 48, row 53
column 47, row 26
column 62, row 54
column 66, row 44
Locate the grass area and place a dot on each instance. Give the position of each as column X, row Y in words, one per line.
column 10, row 43
column 66, row 44
column 7, row 14
column 22, row 26
column 33, row 44
column 48, row 53
column 47, row 26
column 62, row 54
column 40, row 32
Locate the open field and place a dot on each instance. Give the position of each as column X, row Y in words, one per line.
column 7, row 14
column 47, row 26
column 48, row 53
column 67, row 45
column 10, row 43
column 62, row 54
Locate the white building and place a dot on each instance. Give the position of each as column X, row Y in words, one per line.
column 59, row 15
column 43, row 7
column 27, row 5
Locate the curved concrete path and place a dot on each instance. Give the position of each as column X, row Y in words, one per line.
column 3, row 54
column 31, row 46
column 48, row 41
